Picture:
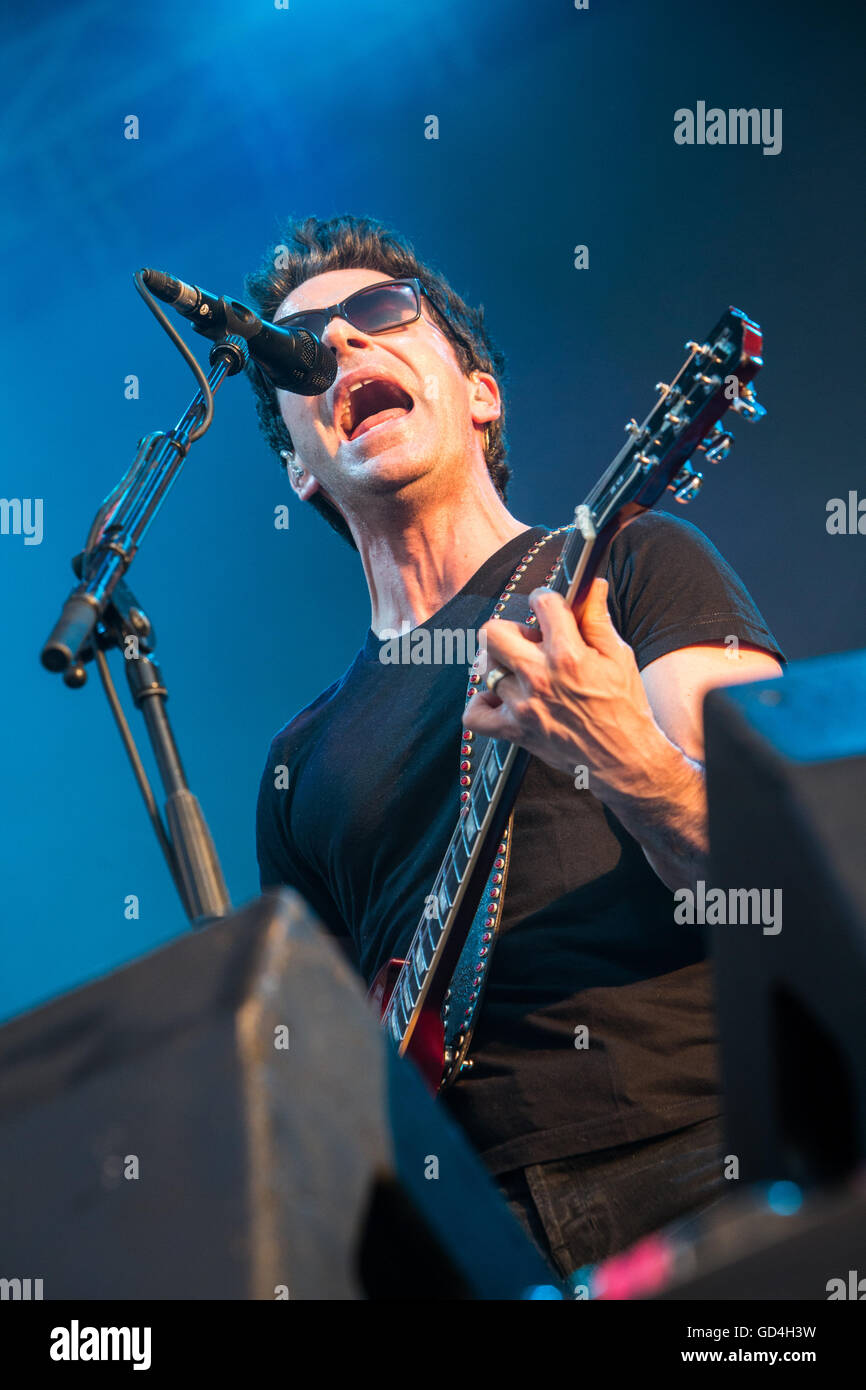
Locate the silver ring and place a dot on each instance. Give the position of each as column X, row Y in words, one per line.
column 493, row 677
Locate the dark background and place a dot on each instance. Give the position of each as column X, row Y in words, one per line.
column 556, row 128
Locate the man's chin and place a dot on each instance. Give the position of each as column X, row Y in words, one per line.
column 388, row 450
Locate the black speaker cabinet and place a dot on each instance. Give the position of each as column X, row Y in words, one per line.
column 786, row 779
column 225, row 1119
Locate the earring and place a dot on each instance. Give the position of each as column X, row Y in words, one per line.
column 297, row 471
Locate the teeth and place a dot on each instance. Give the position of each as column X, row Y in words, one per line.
column 346, row 412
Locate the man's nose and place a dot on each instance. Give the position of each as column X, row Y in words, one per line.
column 341, row 336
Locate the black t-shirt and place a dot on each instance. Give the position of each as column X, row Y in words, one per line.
column 588, row 934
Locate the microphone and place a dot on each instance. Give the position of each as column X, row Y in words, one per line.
column 293, row 358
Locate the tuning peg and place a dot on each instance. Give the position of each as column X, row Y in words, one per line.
column 717, row 444
column 690, row 490
column 699, row 349
column 747, row 405
column 686, row 484
column 633, row 428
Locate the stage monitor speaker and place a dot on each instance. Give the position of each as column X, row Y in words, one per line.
column 226, row 1119
column 786, row 781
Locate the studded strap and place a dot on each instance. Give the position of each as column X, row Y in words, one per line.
column 463, row 998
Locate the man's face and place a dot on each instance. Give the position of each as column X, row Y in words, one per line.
column 404, row 437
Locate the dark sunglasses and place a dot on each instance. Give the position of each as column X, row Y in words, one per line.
column 388, row 304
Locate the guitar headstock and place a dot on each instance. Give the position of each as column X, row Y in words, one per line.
column 716, row 377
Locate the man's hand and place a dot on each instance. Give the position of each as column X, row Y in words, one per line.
column 575, row 696
column 576, row 699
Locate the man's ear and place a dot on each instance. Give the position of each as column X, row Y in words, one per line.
column 302, row 483
column 485, row 401
column 305, row 485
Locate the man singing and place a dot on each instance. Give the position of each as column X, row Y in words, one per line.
column 593, row 1145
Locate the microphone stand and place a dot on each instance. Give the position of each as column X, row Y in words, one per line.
column 102, row 612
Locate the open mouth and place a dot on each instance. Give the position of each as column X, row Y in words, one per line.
column 371, row 403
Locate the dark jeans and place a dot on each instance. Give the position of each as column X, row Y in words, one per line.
column 582, row 1209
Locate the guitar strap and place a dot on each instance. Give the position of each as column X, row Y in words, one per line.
column 463, row 999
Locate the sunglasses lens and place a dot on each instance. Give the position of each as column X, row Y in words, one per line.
column 312, row 319
column 382, row 307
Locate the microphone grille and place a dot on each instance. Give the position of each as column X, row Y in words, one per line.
column 320, row 364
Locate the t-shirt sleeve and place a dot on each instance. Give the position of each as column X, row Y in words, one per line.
column 280, row 862
column 670, row 588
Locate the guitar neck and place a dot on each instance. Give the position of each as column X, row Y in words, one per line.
column 441, row 933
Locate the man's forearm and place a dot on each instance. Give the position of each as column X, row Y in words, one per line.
column 662, row 801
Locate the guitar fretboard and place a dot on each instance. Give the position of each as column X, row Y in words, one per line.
column 461, row 855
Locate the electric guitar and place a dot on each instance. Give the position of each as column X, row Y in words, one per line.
column 715, row 377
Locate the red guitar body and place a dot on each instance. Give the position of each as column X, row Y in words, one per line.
column 427, row 1045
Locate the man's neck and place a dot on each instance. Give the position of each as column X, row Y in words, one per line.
column 415, row 568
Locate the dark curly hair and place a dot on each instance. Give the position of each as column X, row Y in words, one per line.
column 311, row 247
